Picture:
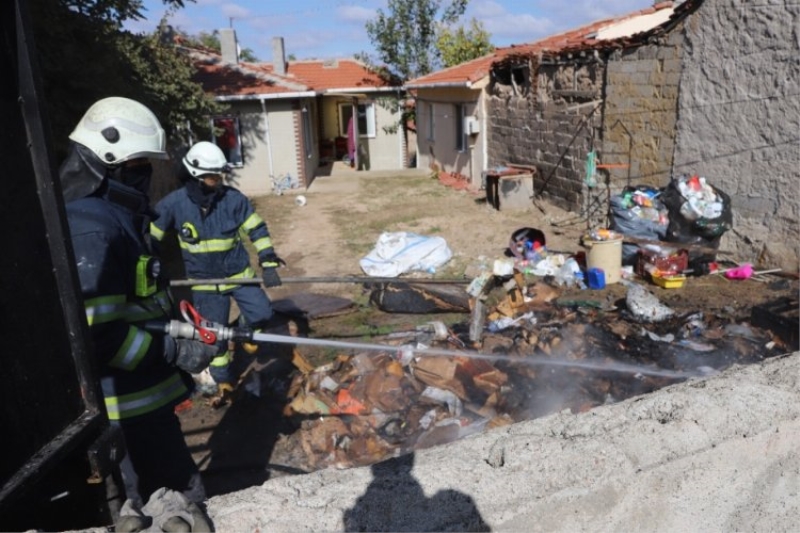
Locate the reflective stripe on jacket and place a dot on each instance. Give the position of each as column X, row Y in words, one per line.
column 217, row 249
column 135, row 378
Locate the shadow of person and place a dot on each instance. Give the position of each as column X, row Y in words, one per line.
column 243, row 441
column 395, row 501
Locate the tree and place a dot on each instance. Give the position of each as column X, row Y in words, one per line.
column 405, row 36
column 84, row 55
column 211, row 41
column 461, row 45
column 412, row 41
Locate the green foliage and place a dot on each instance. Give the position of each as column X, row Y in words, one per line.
column 405, row 35
column 413, row 38
column 460, row 45
column 246, row 54
column 211, row 41
column 84, row 55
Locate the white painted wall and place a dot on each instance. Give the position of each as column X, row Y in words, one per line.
column 441, row 151
column 261, row 135
column 385, row 149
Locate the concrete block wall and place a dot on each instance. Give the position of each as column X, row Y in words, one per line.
column 550, row 129
column 640, row 112
column 739, row 121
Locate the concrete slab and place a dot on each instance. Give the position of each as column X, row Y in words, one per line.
column 715, row 454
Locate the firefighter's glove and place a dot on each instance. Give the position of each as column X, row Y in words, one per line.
column 270, row 263
column 270, row 277
column 188, row 355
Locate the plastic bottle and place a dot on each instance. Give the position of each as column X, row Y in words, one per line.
column 569, row 273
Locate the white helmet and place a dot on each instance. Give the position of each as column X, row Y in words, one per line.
column 119, row 129
column 205, row 158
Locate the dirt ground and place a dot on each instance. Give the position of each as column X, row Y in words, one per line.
column 246, row 440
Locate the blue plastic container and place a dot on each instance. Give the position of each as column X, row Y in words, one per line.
column 596, row 278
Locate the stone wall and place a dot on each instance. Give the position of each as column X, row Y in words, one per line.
column 739, row 121
column 550, row 125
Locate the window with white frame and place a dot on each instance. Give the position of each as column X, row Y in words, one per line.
column 431, row 122
column 226, row 133
column 366, row 119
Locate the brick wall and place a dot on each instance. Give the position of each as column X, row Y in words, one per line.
column 550, row 127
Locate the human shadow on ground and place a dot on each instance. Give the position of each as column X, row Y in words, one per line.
column 395, row 501
column 242, row 443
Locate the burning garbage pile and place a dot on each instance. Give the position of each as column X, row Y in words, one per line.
column 540, row 352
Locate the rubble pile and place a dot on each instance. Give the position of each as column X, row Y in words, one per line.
column 541, row 351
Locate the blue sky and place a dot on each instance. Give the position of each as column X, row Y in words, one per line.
column 335, row 28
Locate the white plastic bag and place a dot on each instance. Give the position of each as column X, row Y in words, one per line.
column 402, row 252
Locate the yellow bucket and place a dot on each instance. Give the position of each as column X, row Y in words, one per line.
column 605, row 255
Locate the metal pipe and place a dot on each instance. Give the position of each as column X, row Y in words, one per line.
column 268, row 139
column 323, row 279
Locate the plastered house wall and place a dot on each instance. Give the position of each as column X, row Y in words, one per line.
column 739, row 121
column 440, row 152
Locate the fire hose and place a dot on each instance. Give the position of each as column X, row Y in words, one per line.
column 318, row 279
column 195, row 327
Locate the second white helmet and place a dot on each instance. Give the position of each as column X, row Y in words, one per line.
column 205, row 158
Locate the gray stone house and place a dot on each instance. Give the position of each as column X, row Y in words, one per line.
column 711, row 91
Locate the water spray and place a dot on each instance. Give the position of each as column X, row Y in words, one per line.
column 197, row 328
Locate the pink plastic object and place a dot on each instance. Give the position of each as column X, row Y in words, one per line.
column 741, row 272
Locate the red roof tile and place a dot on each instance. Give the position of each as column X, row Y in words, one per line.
column 323, row 75
column 475, row 70
column 464, row 73
column 243, row 79
column 223, row 79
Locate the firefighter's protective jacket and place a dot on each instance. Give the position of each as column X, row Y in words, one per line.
column 107, row 230
column 211, row 241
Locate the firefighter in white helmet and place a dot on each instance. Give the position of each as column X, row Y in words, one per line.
column 210, row 219
column 144, row 376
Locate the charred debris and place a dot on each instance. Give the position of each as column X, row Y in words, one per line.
column 528, row 346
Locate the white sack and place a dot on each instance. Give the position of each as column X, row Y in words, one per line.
column 401, row 252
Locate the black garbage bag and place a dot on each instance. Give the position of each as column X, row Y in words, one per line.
column 647, row 222
column 420, row 299
column 692, row 221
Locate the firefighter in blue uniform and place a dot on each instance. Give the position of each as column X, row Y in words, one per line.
column 211, row 219
column 105, row 179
